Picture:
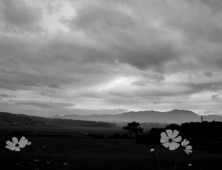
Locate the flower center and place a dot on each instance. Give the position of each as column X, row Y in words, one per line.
column 17, row 145
column 170, row 140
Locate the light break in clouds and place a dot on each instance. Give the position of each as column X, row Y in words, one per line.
column 102, row 56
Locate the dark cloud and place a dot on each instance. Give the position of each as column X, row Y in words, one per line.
column 214, row 4
column 18, row 17
column 6, row 96
column 154, row 56
column 123, row 39
column 205, row 86
column 215, row 97
column 208, row 74
column 110, row 53
column 44, row 104
column 101, row 19
column 13, row 80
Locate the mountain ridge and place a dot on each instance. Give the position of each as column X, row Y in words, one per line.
column 173, row 116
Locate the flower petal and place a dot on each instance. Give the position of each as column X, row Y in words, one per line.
column 189, row 150
column 9, row 143
column 11, row 147
column 169, row 133
column 17, row 149
column 187, row 142
column 163, row 135
column 174, row 145
column 175, row 134
column 22, row 145
column 163, row 140
column 26, row 141
column 186, row 151
column 177, row 145
column 15, row 140
column 166, row 144
column 178, row 139
column 189, row 147
column 23, row 139
column 183, row 142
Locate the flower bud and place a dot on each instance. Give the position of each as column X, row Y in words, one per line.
column 152, row 150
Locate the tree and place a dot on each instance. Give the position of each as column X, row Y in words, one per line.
column 133, row 128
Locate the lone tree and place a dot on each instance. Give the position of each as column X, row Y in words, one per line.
column 133, row 128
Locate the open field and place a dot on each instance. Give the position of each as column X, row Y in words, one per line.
column 81, row 152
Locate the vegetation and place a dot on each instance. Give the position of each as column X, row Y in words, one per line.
column 81, row 151
column 20, row 119
column 133, row 128
column 72, row 147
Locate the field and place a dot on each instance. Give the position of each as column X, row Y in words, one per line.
column 54, row 146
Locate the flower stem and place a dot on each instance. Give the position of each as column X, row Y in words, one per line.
column 158, row 160
column 176, row 160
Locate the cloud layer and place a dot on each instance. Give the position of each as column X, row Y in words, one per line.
column 135, row 55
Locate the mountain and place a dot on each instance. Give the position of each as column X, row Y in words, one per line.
column 174, row 116
column 9, row 119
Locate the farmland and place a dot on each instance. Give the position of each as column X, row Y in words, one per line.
column 81, row 152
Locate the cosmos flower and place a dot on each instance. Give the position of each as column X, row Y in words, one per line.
column 170, row 139
column 187, row 148
column 15, row 145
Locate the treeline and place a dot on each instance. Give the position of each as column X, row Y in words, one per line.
column 207, row 131
column 9, row 119
column 79, row 123
column 15, row 119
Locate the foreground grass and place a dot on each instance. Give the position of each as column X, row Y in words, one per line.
column 83, row 153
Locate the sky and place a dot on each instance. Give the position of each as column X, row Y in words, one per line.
column 108, row 57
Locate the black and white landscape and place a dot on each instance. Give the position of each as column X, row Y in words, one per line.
column 110, row 84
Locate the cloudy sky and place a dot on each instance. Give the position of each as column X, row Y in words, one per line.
column 103, row 56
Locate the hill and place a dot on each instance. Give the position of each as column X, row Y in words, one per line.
column 174, row 116
column 9, row 119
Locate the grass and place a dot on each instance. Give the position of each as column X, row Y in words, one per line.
column 84, row 153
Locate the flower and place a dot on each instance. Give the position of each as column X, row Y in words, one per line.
column 152, row 150
column 187, row 148
column 15, row 145
column 170, row 139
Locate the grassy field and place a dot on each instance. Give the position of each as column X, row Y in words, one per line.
column 74, row 147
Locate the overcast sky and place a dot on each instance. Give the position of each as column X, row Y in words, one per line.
column 110, row 56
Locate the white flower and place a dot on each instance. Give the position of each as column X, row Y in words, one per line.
column 187, row 148
column 170, row 139
column 15, row 145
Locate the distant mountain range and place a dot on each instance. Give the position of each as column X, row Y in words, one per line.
column 9, row 119
column 174, row 116
column 146, row 118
